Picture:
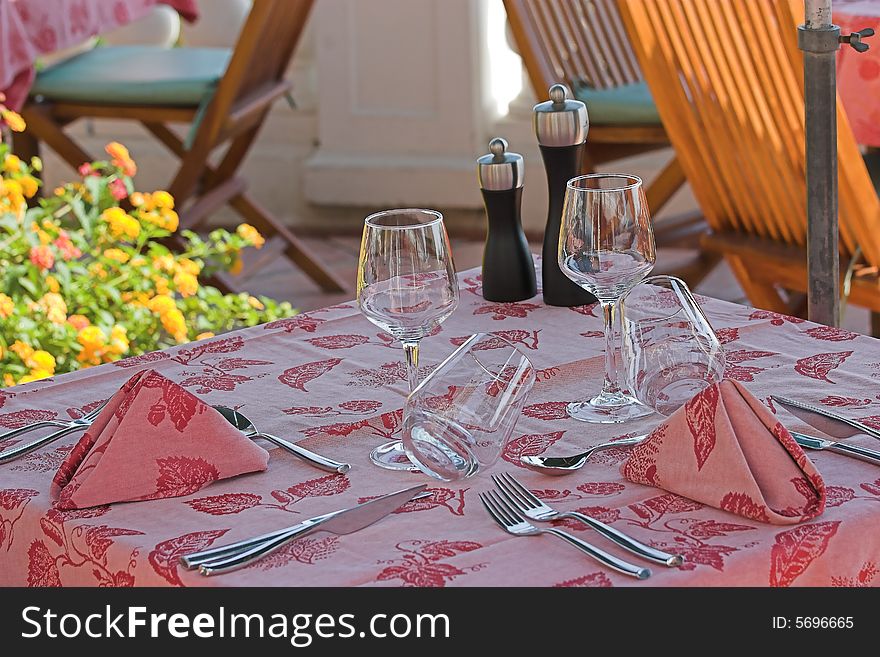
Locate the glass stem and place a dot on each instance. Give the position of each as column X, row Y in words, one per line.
column 611, row 385
column 411, row 349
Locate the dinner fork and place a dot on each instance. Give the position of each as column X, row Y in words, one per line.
column 536, row 509
column 76, row 424
column 513, row 523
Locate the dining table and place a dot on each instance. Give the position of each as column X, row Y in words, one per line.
column 858, row 73
column 329, row 380
column 31, row 28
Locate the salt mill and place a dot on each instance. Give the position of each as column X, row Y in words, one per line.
column 508, row 269
column 561, row 125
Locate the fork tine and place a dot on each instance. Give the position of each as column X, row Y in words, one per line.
column 509, row 495
column 490, row 508
column 92, row 414
column 514, row 490
column 509, row 510
column 529, row 496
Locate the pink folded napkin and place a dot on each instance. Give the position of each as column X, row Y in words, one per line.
column 153, row 439
column 724, row 448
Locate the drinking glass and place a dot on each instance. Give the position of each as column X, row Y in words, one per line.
column 406, row 286
column 606, row 245
column 458, row 420
column 670, row 351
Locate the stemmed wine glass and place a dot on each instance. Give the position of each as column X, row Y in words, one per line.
column 406, row 286
column 606, row 245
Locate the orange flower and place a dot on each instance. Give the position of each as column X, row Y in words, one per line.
column 42, row 257
column 237, row 266
column 79, row 322
column 13, row 120
column 186, row 284
column 121, row 158
column 204, row 336
column 66, row 247
column 7, row 306
column 251, row 234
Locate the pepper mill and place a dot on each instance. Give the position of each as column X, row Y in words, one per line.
column 561, row 126
column 508, row 269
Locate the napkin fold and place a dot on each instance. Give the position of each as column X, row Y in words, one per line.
column 153, row 439
column 726, row 449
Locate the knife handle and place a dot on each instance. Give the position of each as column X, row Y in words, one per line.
column 858, row 452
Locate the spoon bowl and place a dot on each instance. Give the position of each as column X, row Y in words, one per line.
column 243, row 424
column 562, row 465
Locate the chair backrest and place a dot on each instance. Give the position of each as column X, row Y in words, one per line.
column 733, row 107
column 577, row 42
column 259, row 60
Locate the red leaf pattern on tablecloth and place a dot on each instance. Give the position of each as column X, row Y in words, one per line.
column 338, row 341
column 142, row 359
column 4, row 395
column 217, row 381
column 703, row 555
column 164, row 558
column 795, row 549
column 727, row 335
column 709, row 528
column 180, row 405
column 600, row 513
column 528, row 339
column 776, row 319
column 529, row 445
column 700, row 415
column 18, row 419
column 226, row 504
column 501, row 311
column 361, row 405
column 818, row 366
column 420, row 564
column 240, row 363
column 12, row 503
column 307, row 550
column 864, row 577
column 332, row 484
column 734, row 369
column 742, row 504
column 589, row 310
column 841, row 402
column 182, row 475
column 837, row 495
column 100, row 538
column 601, row 488
column 297, row 377
column 831, row 334
column 448, row 498
column 290, row 324
column 42, row 569
column 547, row 410
column 593, row 334
column 592, row 580
column 873, row 488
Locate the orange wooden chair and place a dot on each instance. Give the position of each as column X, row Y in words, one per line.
column 734, row 111
column 583, row 44
column 224, row 97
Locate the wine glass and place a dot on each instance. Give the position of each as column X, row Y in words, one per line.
column 670, row 351
column 406, row 286
column 606, row 245
column 458, row 420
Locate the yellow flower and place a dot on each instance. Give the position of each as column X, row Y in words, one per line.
column 11, row 163
column 164, row 263
column 138, row 261
column 189, row 266
column 251, row 234
column 161, row 304
column 137, row 199
column 13, row 187
column 8, row 380
column 13, row 120
column 44, row 237
column 162, row 287
column 2, row 352
column 163, row 200
column 118, row 341
column 91, row 338
column 170, row 220
column 42, row 360
column 35, row 375
column 78, row 321
column 255, row 303
column 59, row 191
column 22, row 350
column 116, row 254
column 29, row 186
column 174, row 322
column 204, row 336
column 186, row 284
column 97, row 269
column 121, row 224
column 54, row 306
column 52, row 283
column 7, row 306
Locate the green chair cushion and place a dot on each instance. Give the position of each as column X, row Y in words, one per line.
column 630, row 104
column 135, row 75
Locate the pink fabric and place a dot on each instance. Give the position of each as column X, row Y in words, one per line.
column 858, row 74
column 333, row 382
column 29, row 28
column 726, row 449
column 153, row 440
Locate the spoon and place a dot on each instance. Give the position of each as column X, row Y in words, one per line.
column 247, row 427
column 560, row 465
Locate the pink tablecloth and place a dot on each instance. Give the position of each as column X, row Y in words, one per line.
column 331, row 380
column 858, row 74
column 29, row 28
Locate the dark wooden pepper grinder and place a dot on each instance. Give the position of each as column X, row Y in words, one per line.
column 508, row 269
column 561, row 126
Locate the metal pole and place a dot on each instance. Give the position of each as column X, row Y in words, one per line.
column 819, row 39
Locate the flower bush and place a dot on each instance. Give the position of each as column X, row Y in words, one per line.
column 87, row 280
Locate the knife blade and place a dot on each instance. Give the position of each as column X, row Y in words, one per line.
column 345, row 521
column 812, row 442
column 828, row 422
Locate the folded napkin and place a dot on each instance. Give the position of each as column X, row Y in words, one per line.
column 153, row 439
column 726, row 449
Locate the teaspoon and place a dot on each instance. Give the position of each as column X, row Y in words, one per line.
column 560, row 465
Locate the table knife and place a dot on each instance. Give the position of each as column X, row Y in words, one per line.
column 236, row 555
column 812, row 442
column 828, row 422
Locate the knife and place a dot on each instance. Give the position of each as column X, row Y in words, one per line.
column 345, row 521
column 812, row 442
column 826, row 421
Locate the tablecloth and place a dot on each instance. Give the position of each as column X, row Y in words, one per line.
column 858, row 74
column 29, row 28
column 332, row 381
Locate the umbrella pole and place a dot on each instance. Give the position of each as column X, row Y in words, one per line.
column 819, row 39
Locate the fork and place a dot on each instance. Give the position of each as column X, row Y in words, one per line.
column 76, row 424
column 513, row 523
column 535, row 509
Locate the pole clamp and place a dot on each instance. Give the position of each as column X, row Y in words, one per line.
column 855, row 39
column 819, row 40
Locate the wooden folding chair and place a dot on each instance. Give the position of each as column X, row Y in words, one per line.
column 223, row 96
column 733, row 107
